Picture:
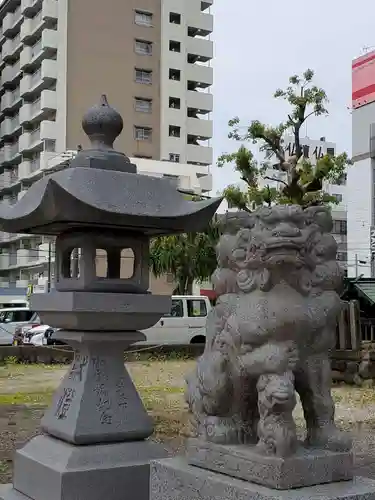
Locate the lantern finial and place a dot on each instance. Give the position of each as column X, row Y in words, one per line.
column 102, row 124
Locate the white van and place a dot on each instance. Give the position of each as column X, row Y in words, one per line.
column 186, row 323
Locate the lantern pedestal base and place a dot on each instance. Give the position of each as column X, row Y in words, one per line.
column 50, row 469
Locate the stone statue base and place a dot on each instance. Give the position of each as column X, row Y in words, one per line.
column 50, row 469
column 307, row 467
column 175, row 479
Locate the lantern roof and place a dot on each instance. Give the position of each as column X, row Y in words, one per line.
column 102, row 189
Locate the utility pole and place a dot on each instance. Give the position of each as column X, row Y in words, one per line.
column 356, row 265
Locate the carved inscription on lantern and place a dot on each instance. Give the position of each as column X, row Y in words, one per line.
column 64, row 403
column 103, row 400
column 78, row 367
column 120, row 393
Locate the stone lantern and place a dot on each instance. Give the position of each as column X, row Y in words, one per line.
column 95, row 443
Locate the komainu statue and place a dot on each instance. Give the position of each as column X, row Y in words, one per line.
column 270, row 333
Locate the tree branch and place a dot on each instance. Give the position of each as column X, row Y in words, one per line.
column 308, row 116
column 275, row 179
column 276, row 150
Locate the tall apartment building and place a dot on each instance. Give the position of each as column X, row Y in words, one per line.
column 361, row 176
column 152, row 60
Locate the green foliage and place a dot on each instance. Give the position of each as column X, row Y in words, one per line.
column 301, row 182
column 187, row 257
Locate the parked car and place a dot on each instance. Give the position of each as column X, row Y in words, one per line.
column 35, row 331
column 13, row 318
column 186, row 323
column 42, row 335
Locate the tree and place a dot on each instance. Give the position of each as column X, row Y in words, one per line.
column 302, row 182
column 187, row 257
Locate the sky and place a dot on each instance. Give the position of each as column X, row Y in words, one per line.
column 258, row 45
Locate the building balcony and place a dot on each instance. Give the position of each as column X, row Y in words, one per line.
column 201, row 75
column 40, row 108
column 30, row 170
column 9, row 126
column 11, row 100
column 199, row 49
column 22, row 283
column 5, row 179
column 188, row 183
column 30, row 7
column 12, row 22
column 199, row 154
column 202, row 129
column 11, row 49
column 33, row 140
column 10, row 75
column 26, row 257
column 45, row 48
column 9, row 178
column 31, row 29
column 11, row 153
column 201, row 101
column 4, row 261
column 32, row 84
column 206, row 183
column 4, row 237
column 201, row 25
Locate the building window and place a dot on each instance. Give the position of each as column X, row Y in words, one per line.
column 142, row 133
column 175, row 103
column 174, row 157
column 338, row 197
column 143, row 48
column 331, row 151
column 143, row 105
column 174, row 18
column 339, row 227
column 175, row 74
column 174, row 131
column 174, row 46
column 143, row 76
column 143, row 18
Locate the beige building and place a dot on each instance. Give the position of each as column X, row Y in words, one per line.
column 152, row 60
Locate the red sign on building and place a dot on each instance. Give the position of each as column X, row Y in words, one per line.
column 363, row 80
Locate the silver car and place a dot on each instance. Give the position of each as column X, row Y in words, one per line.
column 12, row 318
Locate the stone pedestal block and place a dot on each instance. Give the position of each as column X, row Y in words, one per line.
column 49, row 469
column 305, row 468
column 175, row 479
column 97, row 401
